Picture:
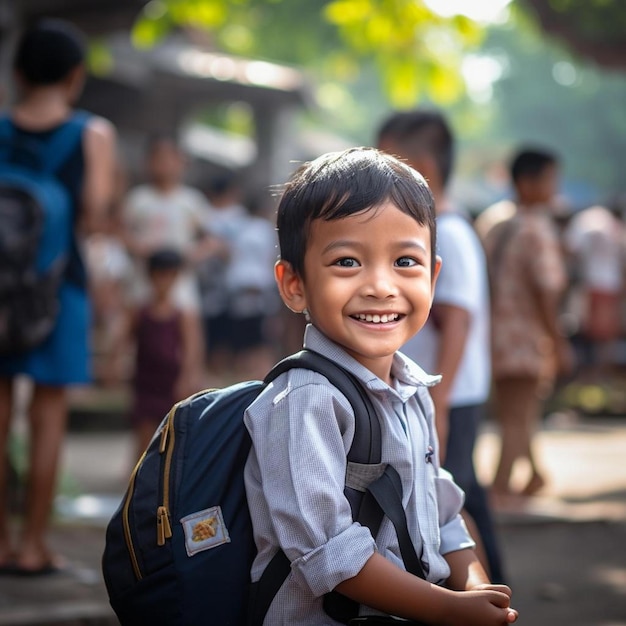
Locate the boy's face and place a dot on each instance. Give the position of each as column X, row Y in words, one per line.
column 369, row 283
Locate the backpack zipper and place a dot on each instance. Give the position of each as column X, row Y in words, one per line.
column 162, row 526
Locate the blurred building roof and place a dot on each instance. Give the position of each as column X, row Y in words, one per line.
column 164, row 87
column 178, row 68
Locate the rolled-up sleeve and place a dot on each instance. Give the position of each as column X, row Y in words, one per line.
column 340, row 558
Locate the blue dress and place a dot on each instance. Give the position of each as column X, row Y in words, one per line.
column 64, row 357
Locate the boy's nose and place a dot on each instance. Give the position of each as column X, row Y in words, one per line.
column 380, row 284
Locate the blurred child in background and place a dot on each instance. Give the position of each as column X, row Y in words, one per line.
column 168, row 348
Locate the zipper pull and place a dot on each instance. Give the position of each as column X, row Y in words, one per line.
column 164, row 528
column 164, row 434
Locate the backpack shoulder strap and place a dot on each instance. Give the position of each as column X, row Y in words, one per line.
column 387, row 492
column 383, row 497
column 366, row 448
column 366, row 445
column 64, row 141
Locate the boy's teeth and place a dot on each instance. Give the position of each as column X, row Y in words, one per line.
column 377, row 319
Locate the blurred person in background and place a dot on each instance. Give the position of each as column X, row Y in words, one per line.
column 49, row 70
column 164, row 212
column 253, row 298
column 224, row 220
column 529, row 347
column 492, row 216
column 595, row 241
column 239, row 294
column 110, row 268
column 455, row 339
column 168, row 359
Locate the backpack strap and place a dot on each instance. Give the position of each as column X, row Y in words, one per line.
column 368, row 507
column 387, row 491
column 382, row 498
column 366, row 445
column 366, row 448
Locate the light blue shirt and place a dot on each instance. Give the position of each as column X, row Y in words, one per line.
column 302, row 429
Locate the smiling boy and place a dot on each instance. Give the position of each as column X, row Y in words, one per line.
column 357, row 240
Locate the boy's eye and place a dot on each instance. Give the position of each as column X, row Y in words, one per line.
column 406, row 261
column 347, row 262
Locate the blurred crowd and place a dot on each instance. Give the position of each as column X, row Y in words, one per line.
column 225, row 279
column 183, row 286
column 234, row 327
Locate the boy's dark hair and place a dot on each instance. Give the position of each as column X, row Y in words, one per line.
column 531, row 162
column 340, row 184
column 165, row 259
column 422, row 130
column 48, row 51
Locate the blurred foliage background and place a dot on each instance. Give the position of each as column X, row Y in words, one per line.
column 547, row 72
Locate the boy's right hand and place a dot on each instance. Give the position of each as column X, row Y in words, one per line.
column 484, row 605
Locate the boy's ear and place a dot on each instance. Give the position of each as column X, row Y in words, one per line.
column 435, row 275
column 290, row 286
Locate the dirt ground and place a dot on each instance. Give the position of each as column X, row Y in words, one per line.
column 567, row 574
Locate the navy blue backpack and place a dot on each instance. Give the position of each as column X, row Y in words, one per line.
column 36, row 220
column 180, row 546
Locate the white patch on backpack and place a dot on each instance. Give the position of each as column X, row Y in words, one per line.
column 204, row 530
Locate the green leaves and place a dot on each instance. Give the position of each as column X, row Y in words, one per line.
column 415, row 51
column 160, row 16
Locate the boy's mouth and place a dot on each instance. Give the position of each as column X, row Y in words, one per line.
column 377, row 318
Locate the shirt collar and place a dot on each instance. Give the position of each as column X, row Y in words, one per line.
column 407, row 374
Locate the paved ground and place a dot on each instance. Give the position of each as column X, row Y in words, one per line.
column 565, row 552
